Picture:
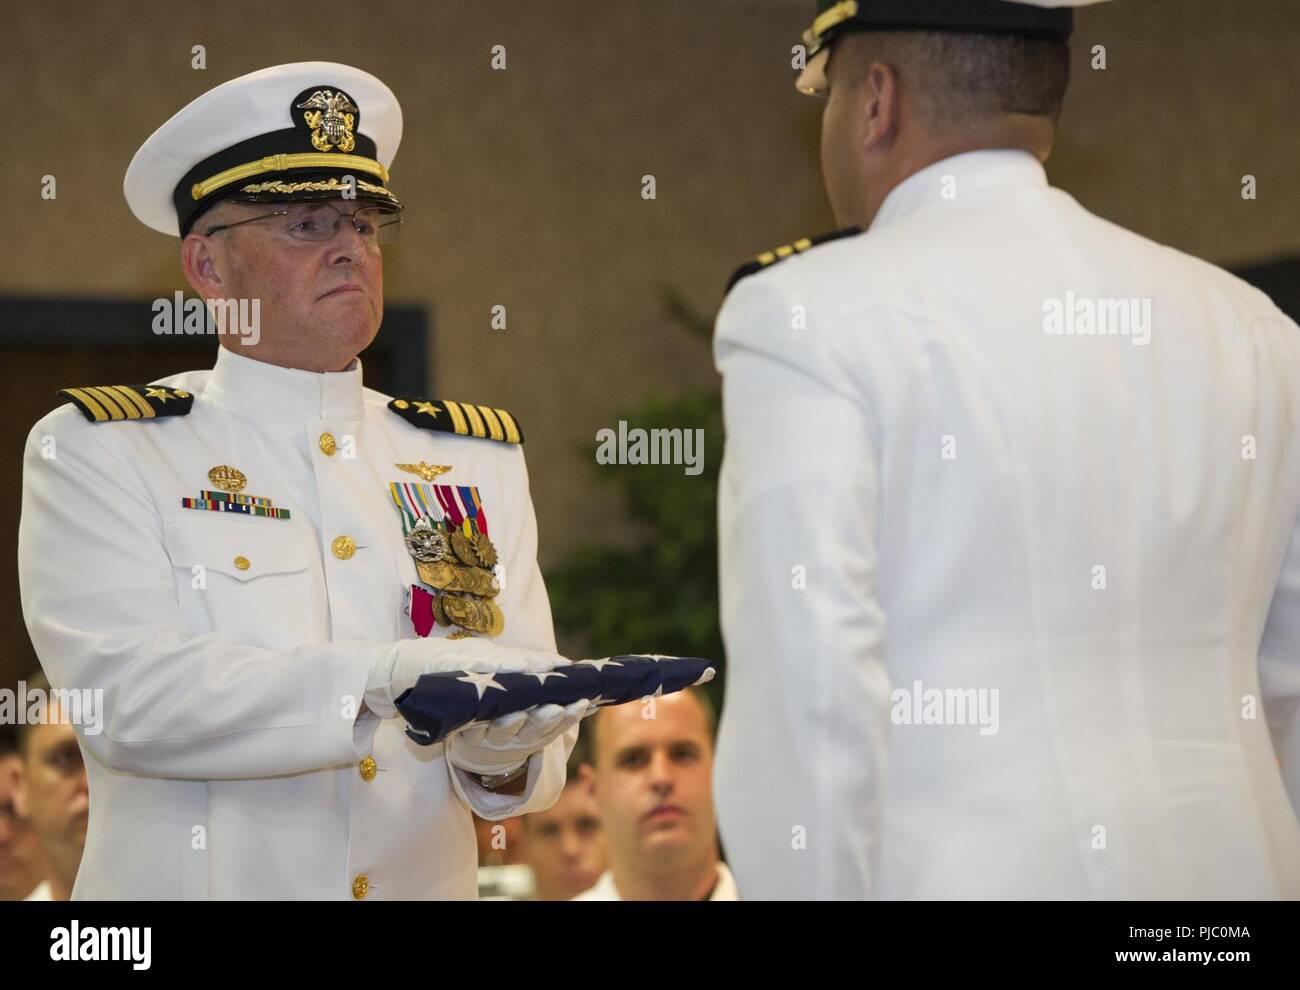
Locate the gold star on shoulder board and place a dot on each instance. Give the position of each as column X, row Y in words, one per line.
column 158, row 393
column 427, row 407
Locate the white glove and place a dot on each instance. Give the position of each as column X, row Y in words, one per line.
column 397, row 671
column 503, row 744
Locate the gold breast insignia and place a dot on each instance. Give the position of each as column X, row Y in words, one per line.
column 426, row 471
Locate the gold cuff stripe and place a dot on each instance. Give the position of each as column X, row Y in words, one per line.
column 512, row 429
column 280, row 163
column 457, row 417
column 493, row 424
column 475, row 420
column 89, row 401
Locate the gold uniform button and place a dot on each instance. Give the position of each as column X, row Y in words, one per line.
column 361, row 886
column 343, row 547
column 242, row 563
column 368, row 768
column 327, row 444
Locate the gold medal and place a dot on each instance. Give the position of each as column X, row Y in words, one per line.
column 485, row 553
column 462, row 547
column 446, row 576
column 439, row 611
column 475, row 614
column 465, row 612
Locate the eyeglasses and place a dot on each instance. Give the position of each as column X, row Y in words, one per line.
column 320, row 222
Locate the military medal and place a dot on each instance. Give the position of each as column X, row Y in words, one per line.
column 446, row 576
column 427, row 543
column 463, row 548
column 230, row 498
column 445, row 532
column 475, row 614
column 439, row 610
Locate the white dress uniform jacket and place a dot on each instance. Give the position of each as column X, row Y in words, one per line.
column 926, row 490
column 228, row 765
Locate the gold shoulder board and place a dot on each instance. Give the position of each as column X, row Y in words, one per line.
column 464, row 418
column 113, row 403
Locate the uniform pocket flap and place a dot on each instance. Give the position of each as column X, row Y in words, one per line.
column 242, row 548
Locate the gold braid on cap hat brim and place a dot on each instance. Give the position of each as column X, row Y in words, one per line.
column 827, row 19
column 282, row 163
column 278, row 187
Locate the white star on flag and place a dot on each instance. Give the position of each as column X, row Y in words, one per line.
column 481, row 681
column 601, row 664
column 541, row 677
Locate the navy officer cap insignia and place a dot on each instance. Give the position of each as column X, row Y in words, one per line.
column 1030, row 18
column 785, row 251
column 289, row 132
column 114, row 403
column 464, row 418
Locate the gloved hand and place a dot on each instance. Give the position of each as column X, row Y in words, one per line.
column 504, row 743
column 397, row 671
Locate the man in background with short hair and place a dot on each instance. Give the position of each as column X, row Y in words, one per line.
column 565, row 845
column 53, row 794
column 651, row 778
column 21, row 866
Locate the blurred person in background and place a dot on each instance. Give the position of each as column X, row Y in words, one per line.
column 564, row 845
column 53, row 795
column 22, row 867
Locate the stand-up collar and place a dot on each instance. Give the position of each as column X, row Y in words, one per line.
column 241, row 384
column 970, row 171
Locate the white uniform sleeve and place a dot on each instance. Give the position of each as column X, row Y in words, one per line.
column 799, row 777
column 530, row 610
column 1279, row 670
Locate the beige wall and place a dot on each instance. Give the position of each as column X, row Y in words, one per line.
column 524, row 186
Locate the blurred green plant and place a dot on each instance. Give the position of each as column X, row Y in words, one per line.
column 660, row 593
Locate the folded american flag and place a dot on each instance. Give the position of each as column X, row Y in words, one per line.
column 441, row 703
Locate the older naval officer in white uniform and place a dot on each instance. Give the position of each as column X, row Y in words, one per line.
column 224, row 553
column 949, row 491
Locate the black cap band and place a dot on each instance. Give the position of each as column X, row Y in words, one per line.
column 834, row 17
